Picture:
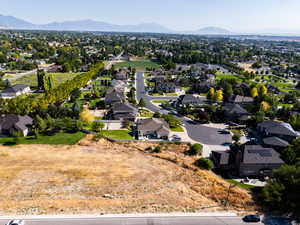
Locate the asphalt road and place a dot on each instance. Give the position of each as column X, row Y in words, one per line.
column 197, row 132
column 138, row 221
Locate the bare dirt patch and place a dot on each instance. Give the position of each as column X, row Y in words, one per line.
column 106, row 177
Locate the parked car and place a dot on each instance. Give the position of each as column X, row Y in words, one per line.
column 224, row 131
column 175, row 138
column 251, row 218
column 16, row 222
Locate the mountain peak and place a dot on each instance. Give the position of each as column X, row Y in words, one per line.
column 213, row 31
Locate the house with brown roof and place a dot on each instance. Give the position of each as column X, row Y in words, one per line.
column 153, row 128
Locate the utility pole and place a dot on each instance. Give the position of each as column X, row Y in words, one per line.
column 228, row 193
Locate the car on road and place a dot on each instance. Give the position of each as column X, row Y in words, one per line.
column 251, row 219
column 16, row 222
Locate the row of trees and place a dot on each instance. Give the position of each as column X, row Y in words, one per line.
column 31, row 105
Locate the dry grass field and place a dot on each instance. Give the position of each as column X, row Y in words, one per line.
column 105, row 177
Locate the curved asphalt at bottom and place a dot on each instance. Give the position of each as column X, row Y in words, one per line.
column 197, row 132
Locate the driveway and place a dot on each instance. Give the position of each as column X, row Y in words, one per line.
column 209, row 136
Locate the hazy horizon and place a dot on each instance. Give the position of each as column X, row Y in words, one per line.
column 234, row 15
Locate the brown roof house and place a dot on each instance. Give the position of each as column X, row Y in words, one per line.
column 12, row 123
column 153, row 128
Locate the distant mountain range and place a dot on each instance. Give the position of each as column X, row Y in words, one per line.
column 11, row 22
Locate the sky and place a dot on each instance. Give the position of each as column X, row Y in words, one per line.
column 181, row 15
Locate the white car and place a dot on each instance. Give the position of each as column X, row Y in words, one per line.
column 16, row 222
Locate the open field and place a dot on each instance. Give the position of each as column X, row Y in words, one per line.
column 59, row 78
column 139, row 65
column 104, row 177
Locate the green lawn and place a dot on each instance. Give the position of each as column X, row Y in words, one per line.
column 145, row 113
column 117, row 134
column 59, row 78
column 160, row 101
column 177, row 129
column 241, row 185
column 139, row 65
column 171, row 94
column 57, row 139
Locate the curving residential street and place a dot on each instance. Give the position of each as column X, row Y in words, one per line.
column 197, row 132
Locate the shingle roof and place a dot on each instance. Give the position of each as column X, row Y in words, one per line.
column 275, row 141
column 222, row 157
column 154, row 124
column 188, row 98
column 276, row 127
column 16, row 88
column 15, row 121
column 113, row 95
column 234, row 109
column 256, row 154
column 125, row 107
column 240, row 99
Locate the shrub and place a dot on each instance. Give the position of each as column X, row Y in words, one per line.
column 205, row 163
column 195, row 149
column 157, row 149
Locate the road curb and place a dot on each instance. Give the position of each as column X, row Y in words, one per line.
column 97, row 216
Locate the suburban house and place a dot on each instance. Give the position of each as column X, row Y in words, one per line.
column 124, row 111
column 12, row 123
column 122, row 75
column 14, row 91
column 238, row 99
column 235, row 112
column 118, row 85
column 282, row 130
column 114, row 95
column 257, row 161
column 156, row 128
column 202, row 86
column 275, row 142
column 221, row 159
column 189, row 99
column 248, row 161
column 165, row 86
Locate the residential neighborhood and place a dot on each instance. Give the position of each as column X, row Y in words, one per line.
column 236, row 116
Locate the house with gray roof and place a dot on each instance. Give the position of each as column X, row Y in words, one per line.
column 275, row 142
column 11, row 123
column 155, row 128
column 235, row 113
column 15, row 90
column 189, row 99
column 114, row 95
column 257, row 161
column 282, row 130
column 124, row 111
column 238, row 99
